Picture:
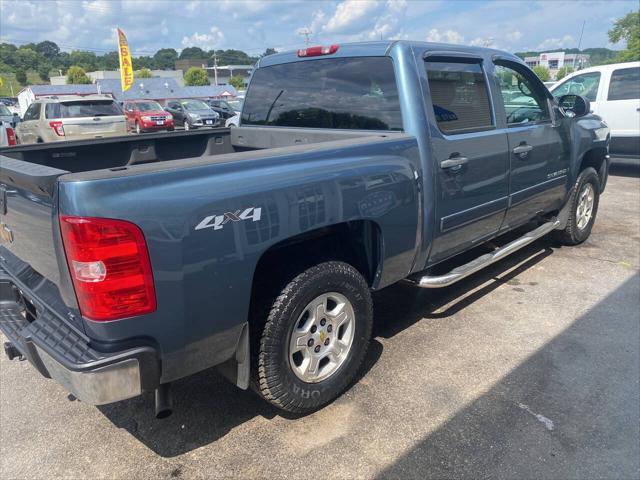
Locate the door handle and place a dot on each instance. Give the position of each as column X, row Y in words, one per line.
column 454, row 163
column 522, row 150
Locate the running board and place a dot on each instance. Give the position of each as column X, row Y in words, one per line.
column 485, row 260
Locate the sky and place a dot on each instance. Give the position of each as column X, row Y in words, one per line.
column 254, row 25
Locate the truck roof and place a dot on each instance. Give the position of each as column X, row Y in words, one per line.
column 378, row 49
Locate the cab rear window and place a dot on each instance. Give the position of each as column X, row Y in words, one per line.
column 343, row 93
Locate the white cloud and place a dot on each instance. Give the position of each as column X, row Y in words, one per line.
column 552, row 43
column 389, row 24
column 206, row 41
column 447, row 36
column 348, row 14
column 513, row 36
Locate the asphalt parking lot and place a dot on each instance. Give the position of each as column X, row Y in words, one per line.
column 529, row 369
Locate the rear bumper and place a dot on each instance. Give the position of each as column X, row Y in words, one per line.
column 64, row 354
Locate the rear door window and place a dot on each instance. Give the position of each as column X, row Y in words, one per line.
column 459, row 96
column 89, row 108
column 33, row 112
column 625, row 84
column 342, row 93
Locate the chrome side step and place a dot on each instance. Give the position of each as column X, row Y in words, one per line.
column 485, row 260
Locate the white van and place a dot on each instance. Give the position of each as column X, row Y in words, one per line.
column 614, row 93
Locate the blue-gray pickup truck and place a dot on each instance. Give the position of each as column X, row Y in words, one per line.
column 128, row 263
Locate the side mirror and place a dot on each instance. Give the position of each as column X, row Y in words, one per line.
column 574, row 105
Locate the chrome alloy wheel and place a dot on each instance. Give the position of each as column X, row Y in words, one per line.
column 322, row 337
column 585, row 206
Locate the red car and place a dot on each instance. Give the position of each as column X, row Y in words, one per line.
column 147, row 116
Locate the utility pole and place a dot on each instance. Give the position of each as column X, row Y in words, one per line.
column 579, row 43
column 215, row 68
column 307, row 33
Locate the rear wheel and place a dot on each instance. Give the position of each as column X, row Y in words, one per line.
column 315, row 338
column 583, row 208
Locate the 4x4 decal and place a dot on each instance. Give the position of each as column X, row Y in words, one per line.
column 217, row 222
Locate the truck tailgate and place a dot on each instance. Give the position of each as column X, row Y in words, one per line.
column 26, row 214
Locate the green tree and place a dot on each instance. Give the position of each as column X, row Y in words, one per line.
column 87, row 60
column 165, row 58
column 144, row 73
column 7, row 53
column 27, row 59
column 48, row 49
column 542, row 72
column 109, row 61
column 236, row 82
column 563, row 72
column 196, row 77
column 268, row 51
column 627, row 28
column 76, row 75
column 43, row 71
column 193, row 52
column 21, row 77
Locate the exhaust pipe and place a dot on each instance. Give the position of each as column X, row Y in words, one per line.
column 164, row 401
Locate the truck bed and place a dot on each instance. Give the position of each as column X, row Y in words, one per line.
column 118, row 152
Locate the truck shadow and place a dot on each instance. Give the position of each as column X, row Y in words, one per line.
column 207, row 406
column 569, row 410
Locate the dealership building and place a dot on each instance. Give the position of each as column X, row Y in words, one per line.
column 556, row 60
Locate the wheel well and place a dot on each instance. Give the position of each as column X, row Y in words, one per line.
column 358, row 243
column 595, row 158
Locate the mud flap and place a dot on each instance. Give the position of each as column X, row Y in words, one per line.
column 238, row 368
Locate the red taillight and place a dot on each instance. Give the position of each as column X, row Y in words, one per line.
column 317, row 51
column 110, row 268
column 58, row 128
column 11, row 137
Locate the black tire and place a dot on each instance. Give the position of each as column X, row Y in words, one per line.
column 273, row 377
column 572, row 234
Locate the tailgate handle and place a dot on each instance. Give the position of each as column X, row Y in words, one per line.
column 454, row 163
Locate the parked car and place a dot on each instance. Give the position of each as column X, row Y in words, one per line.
column 147, row 116
column 233, row 121
column 7, row 116
column 614, row 93
column 223, row 108
column 56, row 119
column 129, row 264
column 7, row 135
column 192, row 114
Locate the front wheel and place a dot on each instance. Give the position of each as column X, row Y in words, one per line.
column 583, row 205
column 315, row 338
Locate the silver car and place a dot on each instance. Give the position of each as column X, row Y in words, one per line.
column 55, row 119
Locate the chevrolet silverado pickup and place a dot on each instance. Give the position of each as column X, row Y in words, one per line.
column 129, row 263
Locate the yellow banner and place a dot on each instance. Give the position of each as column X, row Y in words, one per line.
column 126, row 67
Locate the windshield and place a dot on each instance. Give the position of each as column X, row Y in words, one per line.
column 148, row 106
column 89, row 108
column 347, row 93
column 236, row 105
column 195, row 105
column 585, row 85
column 4, row 111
